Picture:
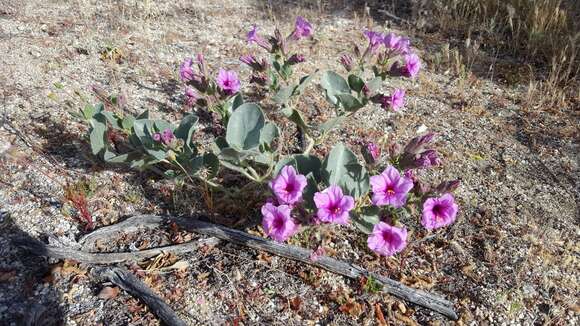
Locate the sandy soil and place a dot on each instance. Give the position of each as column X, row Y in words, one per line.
column 511, row 258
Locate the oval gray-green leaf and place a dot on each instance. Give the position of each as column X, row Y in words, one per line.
column 269, row 133
column 244, row 127
column 366, row 219
column 341, row 167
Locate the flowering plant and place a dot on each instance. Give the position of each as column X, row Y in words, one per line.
column 376, row 195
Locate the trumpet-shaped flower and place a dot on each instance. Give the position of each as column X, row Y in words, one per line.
column 186, row 70
column 277, row 222
column 386, row 239
column 439, row 212
column 390, row 188
column 190, row 96
column 412, row 65
column 390, row 40
column 228, row 81
column 333, row 206
column 288, row 185
column 302, row 28
column 394, row 101
column 254, row 37
column 375, row 40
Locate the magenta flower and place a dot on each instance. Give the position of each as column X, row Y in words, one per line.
column 333, row 206
column 190, row 96
column 427, row 159
column 288, row 185
column 157, row 137
column 412, row 65
column 387, row 240
column 254, row 37
column 186, row 70
column 228, row 81
column 296, row 58
column 439, row 212
column 302, row 28
column 403, row 45
column 167, row 136
column 375, row 40
column 391, row 40
column 395, row 101
column 371, row 153
column 277, row 222
column 390, row 188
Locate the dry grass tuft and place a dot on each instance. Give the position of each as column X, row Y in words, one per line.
column 543, row 32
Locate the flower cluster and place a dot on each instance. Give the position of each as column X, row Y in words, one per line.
column 389, row 189
column 266, row 73
column 392, row 56
column 418, row 154
column 203, row 89
column 331, row 204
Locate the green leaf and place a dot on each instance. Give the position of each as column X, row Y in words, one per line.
column 331, row 123
column 124, row 158
column 212, row 164
column 284, row 94
column 113, row 119
column 269, row 133
column 170, row 174
column 245, row 126
column 355, row 83
column 237, row 101
column 375, row 84
column 304, row 81
column 162, row 125
column 144, row 115
column 127, row 122
column 231, row 155
column 366, row 219
column 304, row 164
column 349, row 102
column 296, row 117
column 218, row 144
column 342, row 168
column 186, row 128
column 142, row 129
column 310, row 190
column 88, row 111
column 98, row 134
column 334, row 84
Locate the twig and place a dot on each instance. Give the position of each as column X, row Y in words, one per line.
column 392, row 16
column 390, row 286
column 138, row 289
column 39, row 248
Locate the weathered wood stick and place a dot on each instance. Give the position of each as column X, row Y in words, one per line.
column 129, row 225
column 390, row 286
column 39, row 248
column 139, row 290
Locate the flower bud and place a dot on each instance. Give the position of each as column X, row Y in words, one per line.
column 296, row 58
column 171, row 155
column 251, row 61
column 417, row 144
column 346, row 61
column 447, row 186
column 259, row 79
column 371, row 153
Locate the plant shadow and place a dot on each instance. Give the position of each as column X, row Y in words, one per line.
column 27, row 296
